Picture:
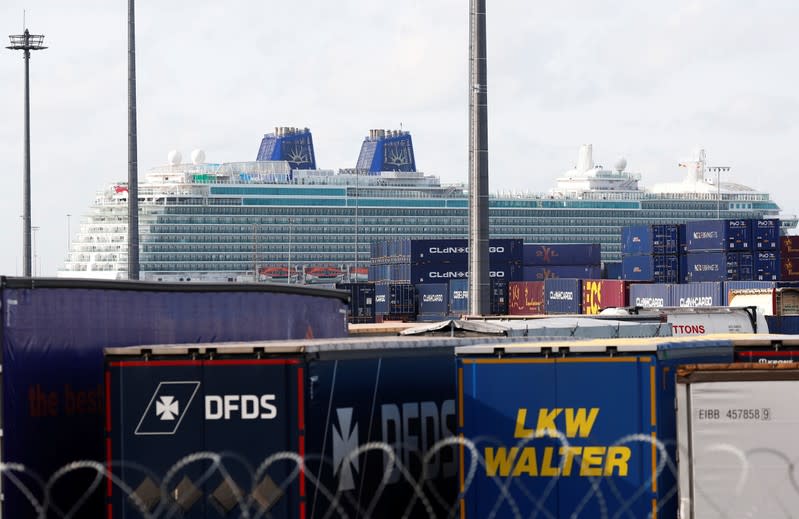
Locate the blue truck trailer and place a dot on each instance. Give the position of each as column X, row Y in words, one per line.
column 53, row 333
column 573, row 429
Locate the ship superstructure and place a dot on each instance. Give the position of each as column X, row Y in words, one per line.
column 280, row 218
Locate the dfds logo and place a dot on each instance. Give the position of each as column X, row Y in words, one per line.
column 171, row 401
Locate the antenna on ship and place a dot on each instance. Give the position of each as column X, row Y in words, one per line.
column 718, row 170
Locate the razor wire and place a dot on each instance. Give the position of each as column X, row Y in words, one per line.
column 173, row 497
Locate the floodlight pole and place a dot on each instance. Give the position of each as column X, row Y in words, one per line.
column 133, row 172
column 27, row 42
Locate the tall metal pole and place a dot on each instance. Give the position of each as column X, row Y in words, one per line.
column 26, row 42
column 133, row 174
column 479, row 283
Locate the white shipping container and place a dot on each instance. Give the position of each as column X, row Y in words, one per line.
column 736, row 433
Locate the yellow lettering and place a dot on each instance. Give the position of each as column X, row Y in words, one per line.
column 527, row 463
column 578, row 424
column 499, row 461
column 546, row 464
column 521, row 432
column 569, row 453
column 546, row 421
column 591, row 464
column 617, row 457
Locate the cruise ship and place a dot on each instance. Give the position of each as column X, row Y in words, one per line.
column 279, row 218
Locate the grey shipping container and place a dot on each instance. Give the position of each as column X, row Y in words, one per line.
column 651, row 295
column 697, row 294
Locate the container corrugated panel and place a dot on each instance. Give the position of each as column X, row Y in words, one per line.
column 788, row 324
column 765, row 234
column 659, row 268
column 712, row 266
column 458, row 296
column 767, row 265
column 395, row 299
column 433, row 298
column 599, row 294
column 789, row 245
column 613, row 406
column 731, row 286
column 561, row 254
column 682, row 236
column 526, row 298
column 442, row 271
column 499, row 297
column 561, row 271
column 362, row 301
column 613, row 270
column 53, row 334
column 562, row 296
column 457, row 250
column 789, row 267
column 650, row 295
column 697, row 294
column 718, row 235
column 637, row 239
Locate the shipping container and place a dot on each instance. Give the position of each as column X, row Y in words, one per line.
column 563, row 296
column 499, row 297
column 560, row 425
column 558, row 271
column 789, row 245
column 650, row 296
column 766, row 265
column 561, row 254
column 433, row 300
column 682, row 232
column 650, row 239
column 718, row 235
column 612, row 270
column 705, row 320
column 740, row 287
column 599, row 294
column 397, row 301
column 768, row 301
column 443, row 271
column 264, row 407
column 785, row 324
column 736, row 423
column 53, row 334
column 501, row 250
column 717, row 266
column 458, row 296
column 362, row 301
column 658, row 268
column 789, row 267
column 526, row 298
column 708, row 293
column 765, row 234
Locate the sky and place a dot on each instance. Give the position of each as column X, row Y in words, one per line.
column 652, row 82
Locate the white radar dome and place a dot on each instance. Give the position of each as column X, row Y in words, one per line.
column 197, row 156
column 174, row 157
column 621, row 163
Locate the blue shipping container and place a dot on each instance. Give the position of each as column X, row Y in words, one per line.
column 613, row 270
column 597, row 401
column 697, row 294
column 362, row 301
column 659, row 268
column 433, row 298
column 53, row 334
column 557, row 271
column 563, row 296
column 395, row 299
column 651, row 239
column 650, row 296
column 442, row 272
column 715, row 266
column 765, row 234
column 502, row 250
column 458, row 296
column 561, row 254
column 767, row 265
column 718, row 235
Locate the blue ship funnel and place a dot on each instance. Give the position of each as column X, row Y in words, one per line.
column 386, row 150
column 294, row 145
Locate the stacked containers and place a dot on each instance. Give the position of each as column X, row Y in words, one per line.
column 789, row 261
column 651, row 253
column 765, row 249
column 561, row 260
column 526, row 298
column 720, row 250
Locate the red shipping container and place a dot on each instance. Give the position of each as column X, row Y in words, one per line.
column 599, row 294
column 789, row 245
column 789, row 265
column 526, row 298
